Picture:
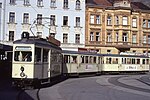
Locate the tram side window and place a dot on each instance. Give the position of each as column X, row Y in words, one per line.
column 66, row 59
column 128, row 61
column 138, row 61
column 37, row 54
column 102, row 60
column 94, row 60
column 90, row 59
column 23, row 56
column 99, row 60
column 133, row 61
column 82, row 57
column 147, row 61
column 115, row 60
column 86, row 59
column 74, row 59
column 123, row 60
column 45, row 55
column 143, row 61
column 108, row 60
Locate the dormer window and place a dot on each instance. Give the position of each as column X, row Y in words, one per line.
column 125, row 2
column 122, row 3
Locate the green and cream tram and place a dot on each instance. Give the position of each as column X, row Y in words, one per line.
column 35, row 61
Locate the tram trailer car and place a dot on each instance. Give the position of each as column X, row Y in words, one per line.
column 35, row 61
column 113, row 63
column 78, row 63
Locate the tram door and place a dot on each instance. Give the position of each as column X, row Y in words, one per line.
column 45, row 63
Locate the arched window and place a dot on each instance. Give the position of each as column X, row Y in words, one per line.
column 78, row 4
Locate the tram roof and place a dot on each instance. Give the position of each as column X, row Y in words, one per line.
column 37, row 41
column 4, row 47
column 96, row 54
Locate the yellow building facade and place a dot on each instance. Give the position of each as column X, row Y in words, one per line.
column 121, row 26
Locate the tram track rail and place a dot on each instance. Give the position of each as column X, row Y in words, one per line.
column 20, row 93
column 114, row 81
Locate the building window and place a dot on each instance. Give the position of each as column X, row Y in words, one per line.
column 125, row 37
column 77, row 4
column 53, row 3
column 65, row 20
column 97, row 36
column 39, row 19
column 148, row 39
column 66, row 4
column 0, row 5
column 117, row 37
column 148, row 23
column 26, row 2
column 39, row 3
column 77, row 21
column 39, row 34
column 52, row 35
column 134, row 38
column 97, row 19
column 11, row 35
column 92, row 19
column 109, row 20
column 144, row 39
column 11, row 17
column 65, row 38
column 52, row 20
column 134, row 22
column 26, row 18
column 125, row 20
column 117, row 20
column 91, row 36
column 144, row 23
column 109, row 37
column 77, row 39
column 12, row 2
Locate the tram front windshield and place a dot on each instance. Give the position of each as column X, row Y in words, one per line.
column 23, row 56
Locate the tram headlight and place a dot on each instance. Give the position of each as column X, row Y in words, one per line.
column 22, row 68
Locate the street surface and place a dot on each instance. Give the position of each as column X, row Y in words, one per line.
column 104, row 87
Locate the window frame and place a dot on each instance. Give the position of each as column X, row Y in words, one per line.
column 52, row 20
column 78, row 5
column 40, row 3
column 65, row 4
column 11, row 35
column 53, row 3
column 77, row 21
column 124, row 20
column 134, row 22
column 26, row 18
column 11, row 17
column 77, row 38
column 65, row 38
column 39, row 19
column 65, row 20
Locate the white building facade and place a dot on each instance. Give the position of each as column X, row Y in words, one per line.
column 62, row 19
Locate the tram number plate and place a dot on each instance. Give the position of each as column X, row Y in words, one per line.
column 131, row 67
column 88, row 67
